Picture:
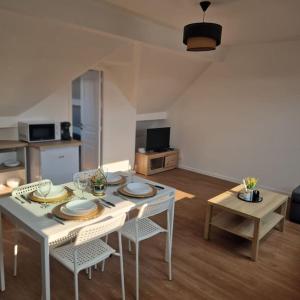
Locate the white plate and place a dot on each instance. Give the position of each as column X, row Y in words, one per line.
column 113, row 178
column 11, row 163
column 56, row 191
column 79, row 207
column 65, row 211
column 138, row 188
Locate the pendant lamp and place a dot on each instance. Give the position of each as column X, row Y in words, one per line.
column 202, row 36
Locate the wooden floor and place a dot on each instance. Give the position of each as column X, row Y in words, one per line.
column 216, row 269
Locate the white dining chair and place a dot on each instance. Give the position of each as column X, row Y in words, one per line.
column 89, row 249
column 142, row 228
column 25, row 190
column 90, row 173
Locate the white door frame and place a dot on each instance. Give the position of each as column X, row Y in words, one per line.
column 100, row 113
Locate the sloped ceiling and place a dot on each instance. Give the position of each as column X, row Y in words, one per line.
column 38, row 57
column 122, row 65
column 150, row 77
column 45, row 44
column 244, row 21
column 163, row 77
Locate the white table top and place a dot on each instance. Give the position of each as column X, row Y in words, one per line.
column 34, row 217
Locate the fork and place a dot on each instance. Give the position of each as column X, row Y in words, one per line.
column 19, row 199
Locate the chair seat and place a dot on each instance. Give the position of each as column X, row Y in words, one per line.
column 87, row 254
column 146, row 229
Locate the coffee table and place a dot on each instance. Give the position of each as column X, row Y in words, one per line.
column 251, row 221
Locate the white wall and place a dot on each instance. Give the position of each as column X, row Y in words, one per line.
column 55, row 108
column 242, row 117
column 119, row 123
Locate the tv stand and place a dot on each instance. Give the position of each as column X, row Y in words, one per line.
column 155, row 162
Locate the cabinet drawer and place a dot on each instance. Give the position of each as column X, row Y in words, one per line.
column 59, row 164
column 171, row 161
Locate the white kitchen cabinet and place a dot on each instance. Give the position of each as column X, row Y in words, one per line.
column 57, row 161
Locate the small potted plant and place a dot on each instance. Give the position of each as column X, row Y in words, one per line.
column 98, row 183
column 250, row 184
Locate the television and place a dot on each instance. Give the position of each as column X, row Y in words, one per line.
column 158, row 139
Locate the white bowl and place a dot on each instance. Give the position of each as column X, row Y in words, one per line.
column 11, row 163
column 138, row 188
column 56, row 191
column 112, row 177
column 13, row 182
column 80, row 207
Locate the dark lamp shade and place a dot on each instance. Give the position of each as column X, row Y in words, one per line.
column 202, row 36
column 201, row 44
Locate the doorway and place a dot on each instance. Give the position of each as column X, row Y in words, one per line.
column 87, row 117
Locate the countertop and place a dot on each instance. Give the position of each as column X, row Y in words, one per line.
column 9, row 144
column 55, row 144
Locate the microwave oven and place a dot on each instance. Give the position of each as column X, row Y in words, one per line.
column 39, row 131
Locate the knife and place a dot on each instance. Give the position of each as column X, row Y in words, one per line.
column 108, row 203
column 157, row 186
column 26, row 199
column 54, row 218
column 103, row 203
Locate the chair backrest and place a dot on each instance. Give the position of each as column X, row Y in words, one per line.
column 97, row 230
column 28, row 188
column 154, row 208
column 88, row 173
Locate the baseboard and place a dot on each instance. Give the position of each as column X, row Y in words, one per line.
column 228, row 178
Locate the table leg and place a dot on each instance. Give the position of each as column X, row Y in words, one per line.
column 45, row 270
column 171, row 220
column 255, row 241
column 208, row 217
column 282, row 211
column 2, row 278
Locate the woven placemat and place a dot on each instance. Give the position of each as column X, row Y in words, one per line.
column 121, row 181
column 124, row 192
column 63, row 198
column 94, row 214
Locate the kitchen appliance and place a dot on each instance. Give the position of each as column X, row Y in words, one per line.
column 39, row 131
column 158, row 139
column 65, row 131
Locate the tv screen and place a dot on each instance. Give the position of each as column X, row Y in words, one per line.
column 158, row 139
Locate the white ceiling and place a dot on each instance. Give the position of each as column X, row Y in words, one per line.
column 243, row 21
column 46, row 44
column 37, row 57
column 163, row 77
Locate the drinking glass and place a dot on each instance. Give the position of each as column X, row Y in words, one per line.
column 44, row 189
column 81, row 182
column 131, row 172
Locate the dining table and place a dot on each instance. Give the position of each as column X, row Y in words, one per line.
column 33, row 219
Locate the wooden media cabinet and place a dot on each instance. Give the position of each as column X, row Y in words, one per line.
column 154, row 162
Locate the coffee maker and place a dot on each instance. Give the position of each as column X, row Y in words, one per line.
column 65, row 131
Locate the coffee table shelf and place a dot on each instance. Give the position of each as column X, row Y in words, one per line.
column 251, row 221
column 245, row 227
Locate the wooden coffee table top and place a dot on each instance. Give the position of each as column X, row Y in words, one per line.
column 229, row 201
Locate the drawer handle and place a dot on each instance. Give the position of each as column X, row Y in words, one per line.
column 61, row 156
